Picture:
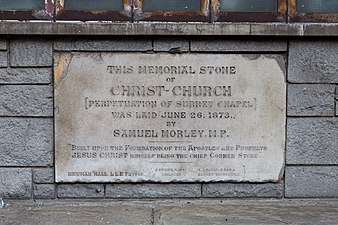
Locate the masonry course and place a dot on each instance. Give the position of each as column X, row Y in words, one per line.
column 26, row 142
column 153, row 190
column 26, row 100
column 27, row 52
column 15, row 183
column 80, row 191
column 231, row 45
column 133, row 45
column 312, row 141
column 313, row 61
column 336, row 98
column 25, row 75
column 43, row 175
column 44, row 191
column 3, row 59
column 243, row 190
column 311, row 100
column 3, row 44
column 311, row 182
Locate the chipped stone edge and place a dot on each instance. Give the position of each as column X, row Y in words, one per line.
column 61, row 63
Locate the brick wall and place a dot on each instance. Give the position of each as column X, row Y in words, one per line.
column 26, row 118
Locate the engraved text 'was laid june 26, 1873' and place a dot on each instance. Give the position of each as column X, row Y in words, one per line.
column 163, row 118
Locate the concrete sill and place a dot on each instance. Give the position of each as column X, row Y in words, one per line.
column 184, row 29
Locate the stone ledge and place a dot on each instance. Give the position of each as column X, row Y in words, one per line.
column 157, row 28
column 239, row 212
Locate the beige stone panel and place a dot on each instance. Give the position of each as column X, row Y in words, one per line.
column 112, row 117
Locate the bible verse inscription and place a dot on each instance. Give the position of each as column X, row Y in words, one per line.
column 136, row 117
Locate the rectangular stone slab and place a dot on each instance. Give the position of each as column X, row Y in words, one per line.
column 133, row 117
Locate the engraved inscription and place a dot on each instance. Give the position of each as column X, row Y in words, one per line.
column 162, row 117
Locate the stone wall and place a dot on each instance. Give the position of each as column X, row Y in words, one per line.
column 26, row 118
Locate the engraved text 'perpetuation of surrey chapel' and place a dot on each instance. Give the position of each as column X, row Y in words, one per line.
column 163, row 118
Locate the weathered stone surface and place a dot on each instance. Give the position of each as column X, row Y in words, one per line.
column 153, row 190
column 74, row 214
column 124, row 30
column 232, row 212
column 240, row 190
column 44, row 191
column 244, row 214
column 310, row 100
column 336, row 98
column 238, row 45
column 311, row 182
column 103, row 100
column 171, row 45
column 43, row 175
column 15, row 183
column 135, row 45
column 26, row 142
column 27, row 52
column 26, row 100
column 26, row 76
column 3, row 44
column 313, row 61
column 312, row 141
column 276, row 29
column 80, row 191
column 3, row 59
column 318, row 29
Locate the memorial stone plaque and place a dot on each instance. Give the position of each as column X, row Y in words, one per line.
column 133, row 117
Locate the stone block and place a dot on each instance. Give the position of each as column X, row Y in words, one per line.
column 153, row 190
column 26, row 142
column 241, row 45
column 313, row 61
column 3, row 45
column 58, row 212
column 15, row 183
column 28, row 52
column 26, row 100
column 310, row 100
column 44, row 191
column 311, row 182
column 171, row 45
column 312, row 141
column 26, row 76
column 134, row 45
column 336, row 98
column 80, row 191
column 211, row 146
column 43, row 175
column 240, row 190
column 3, row 59
column 249, row 212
